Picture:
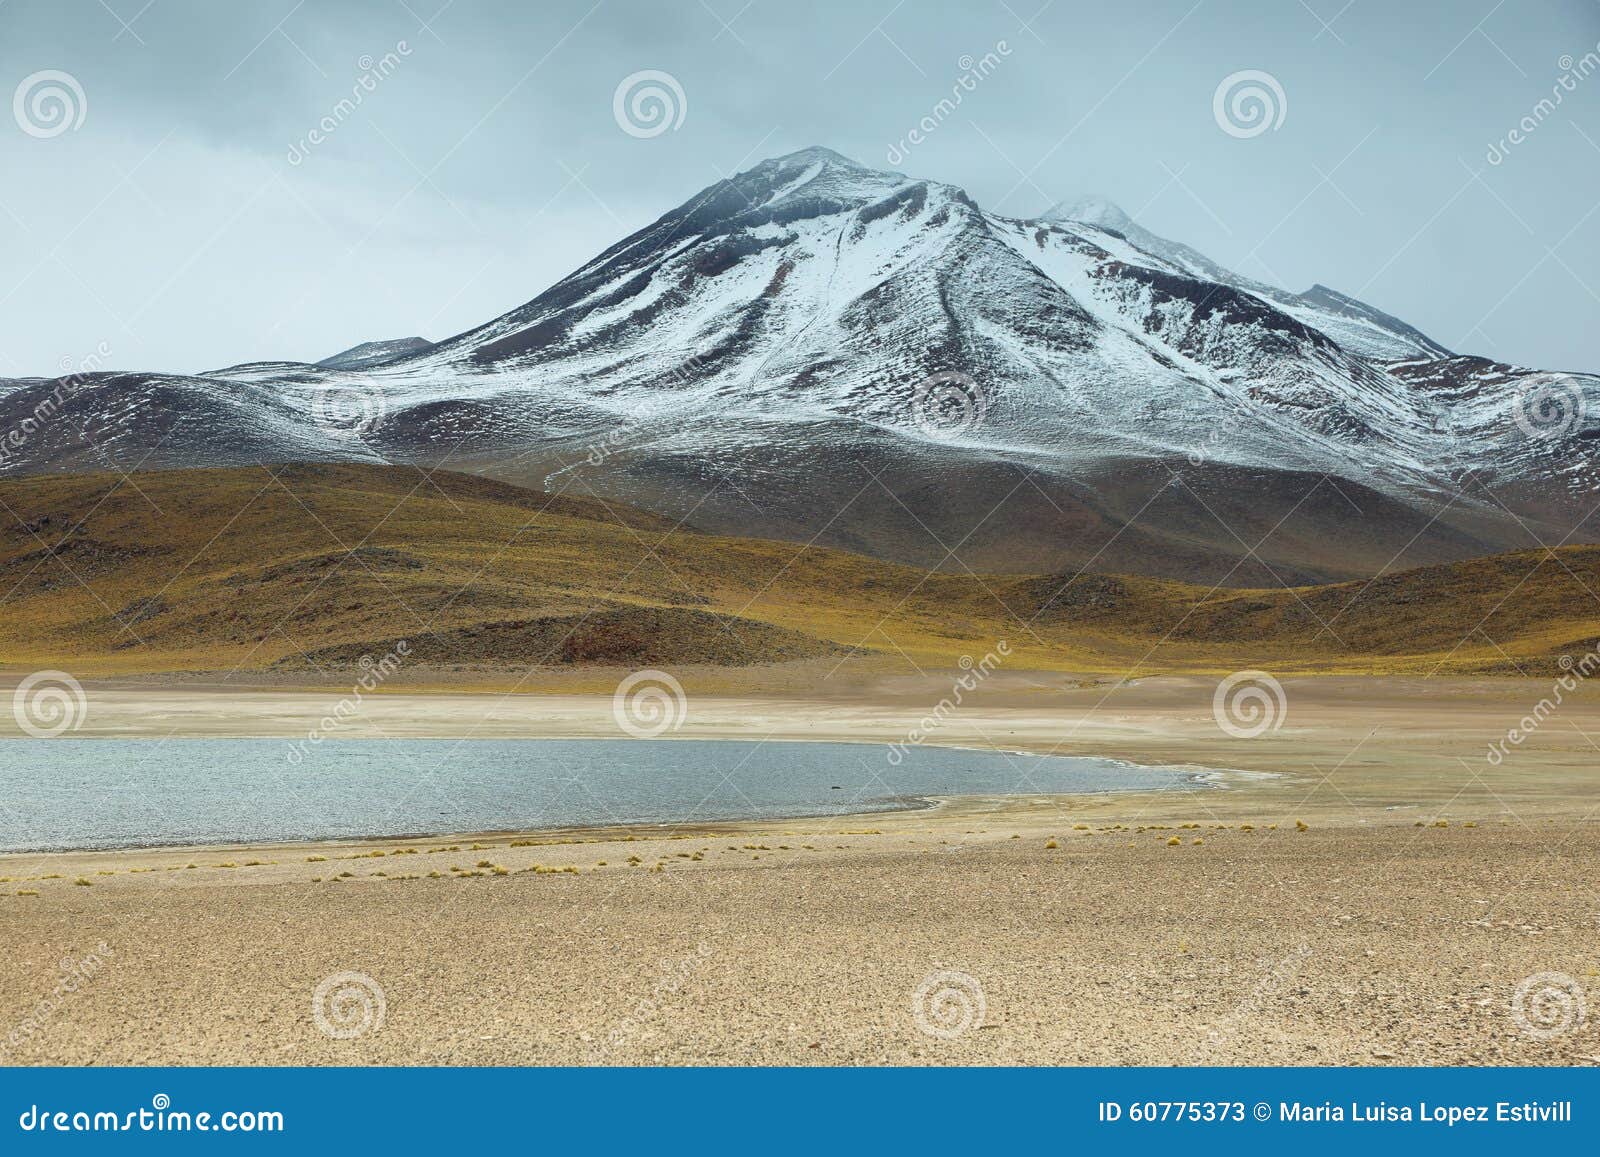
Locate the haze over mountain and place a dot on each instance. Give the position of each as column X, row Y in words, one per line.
column 816, row 350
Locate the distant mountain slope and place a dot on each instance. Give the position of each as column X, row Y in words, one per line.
column 819, row 351
column 303, row 571
column 376, row 353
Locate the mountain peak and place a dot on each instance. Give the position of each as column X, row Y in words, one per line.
column 818, row 154
column 370, row 354
column 1090, row 210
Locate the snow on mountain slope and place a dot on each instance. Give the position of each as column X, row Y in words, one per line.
column 1356, row 326
column 816, row 348
column 376, row 353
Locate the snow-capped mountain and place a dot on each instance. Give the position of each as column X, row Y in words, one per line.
column 1356, row 326
column 817, row 350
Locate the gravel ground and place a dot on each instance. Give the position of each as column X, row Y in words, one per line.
column 1341, row 944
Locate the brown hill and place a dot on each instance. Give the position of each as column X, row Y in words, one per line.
column 305, row 569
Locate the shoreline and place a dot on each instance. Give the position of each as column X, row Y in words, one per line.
column 913, row 804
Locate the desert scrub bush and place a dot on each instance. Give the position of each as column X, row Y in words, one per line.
column 82, row 882
column 316, row 859
column 1174, row 842
column 1050, row 845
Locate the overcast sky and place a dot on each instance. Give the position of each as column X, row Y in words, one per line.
column 172, row 226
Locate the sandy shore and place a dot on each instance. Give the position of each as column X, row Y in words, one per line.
column 805, row 944
column 1346, row 748
column 1363, row 938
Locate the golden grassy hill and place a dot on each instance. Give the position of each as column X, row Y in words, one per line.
column 305, row 569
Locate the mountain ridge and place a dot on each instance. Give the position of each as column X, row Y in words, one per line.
column 817, row 350
column 298, row 575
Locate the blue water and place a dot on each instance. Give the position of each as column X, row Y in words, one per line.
column 100, row 793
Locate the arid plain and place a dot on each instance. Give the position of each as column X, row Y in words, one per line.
column 1363, row 887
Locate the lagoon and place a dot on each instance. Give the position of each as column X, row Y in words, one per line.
column 58, row 794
